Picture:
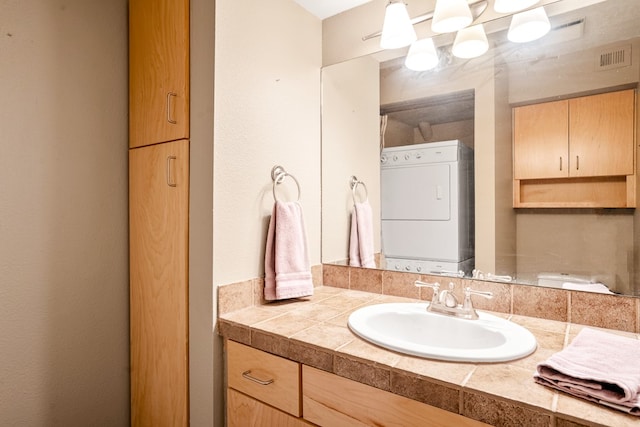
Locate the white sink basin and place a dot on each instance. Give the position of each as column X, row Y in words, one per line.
column 409, row 328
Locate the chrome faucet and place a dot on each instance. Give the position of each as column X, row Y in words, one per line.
column 445, row 301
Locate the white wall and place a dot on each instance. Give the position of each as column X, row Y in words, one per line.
column 64, row 335
column 267, row 113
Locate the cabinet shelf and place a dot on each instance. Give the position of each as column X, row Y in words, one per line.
column 594, row 192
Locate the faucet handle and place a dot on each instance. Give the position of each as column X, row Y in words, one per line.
column 468, row 306
column 421, row 284
column 468, row 292
column 435, row 286
column 467, row 296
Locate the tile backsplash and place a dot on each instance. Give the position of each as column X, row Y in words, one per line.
column 599, row 310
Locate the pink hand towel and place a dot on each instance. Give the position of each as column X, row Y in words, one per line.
column 361, row 237
column 286, row 264
column 597, row 366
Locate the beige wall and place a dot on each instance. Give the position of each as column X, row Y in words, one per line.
column 205, row 353
column 64, row 354
column 350, row 146
column 398, row 133
column 267, row 113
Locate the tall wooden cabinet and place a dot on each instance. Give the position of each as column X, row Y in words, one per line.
column 158, row 71
column 577, row 152
column 159, row 211
column 159, row 232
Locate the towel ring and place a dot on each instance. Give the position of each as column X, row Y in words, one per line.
column 278, row 174
column 354, row 189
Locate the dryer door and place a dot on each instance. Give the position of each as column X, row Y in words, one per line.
column 419, row 192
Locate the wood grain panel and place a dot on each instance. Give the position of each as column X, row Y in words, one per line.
column 540, row 135
column 283, row 392
column 330, row 400
column 158, row 66
column 158, row 221
column 602, row 192
column 601, row 134
column 243, row 411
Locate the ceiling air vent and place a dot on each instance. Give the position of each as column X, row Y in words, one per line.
column 615, row 57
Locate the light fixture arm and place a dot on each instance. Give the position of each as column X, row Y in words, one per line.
column 477, row 9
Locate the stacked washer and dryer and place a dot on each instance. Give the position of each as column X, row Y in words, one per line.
column 427, row 207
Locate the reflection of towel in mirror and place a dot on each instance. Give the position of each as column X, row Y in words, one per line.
column 597, row 366
column 361, row 237
column 286, row 263
column 587, row 287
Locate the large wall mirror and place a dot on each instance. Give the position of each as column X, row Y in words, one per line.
column 590, row 50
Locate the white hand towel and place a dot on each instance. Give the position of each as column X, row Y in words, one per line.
column 287, row 269
column 361, row 252
column 597, row 366
column 587, row 287
column 354, row 245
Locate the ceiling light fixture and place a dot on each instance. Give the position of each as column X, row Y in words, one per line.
column 422, row 55
column 511, row 6
column 397, row 29
column 450, row 16
column 470, row 42
column 529, row 26
column 457, row 15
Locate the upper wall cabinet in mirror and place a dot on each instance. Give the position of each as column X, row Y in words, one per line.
column 526, row 227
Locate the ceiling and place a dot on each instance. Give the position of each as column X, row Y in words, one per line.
column 326, row 8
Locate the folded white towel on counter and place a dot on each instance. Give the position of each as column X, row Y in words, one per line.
column 587, row 287
column 361, row 252
column 286, row 264
column 597, row 366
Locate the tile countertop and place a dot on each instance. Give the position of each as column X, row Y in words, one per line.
column 314, row 331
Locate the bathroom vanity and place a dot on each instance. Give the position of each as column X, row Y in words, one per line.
column 329, row 376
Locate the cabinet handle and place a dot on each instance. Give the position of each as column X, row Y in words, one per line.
column 169, row 119
column 247, row 375
column 170, row 181
column 560, row 162
column 577, row 162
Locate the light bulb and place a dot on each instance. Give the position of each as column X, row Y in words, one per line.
column 422, row 55
column 397, row 30
column 470, row 42
column 528, row 26
column 450, row 16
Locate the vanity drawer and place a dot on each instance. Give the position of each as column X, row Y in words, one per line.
column 268, row 378
column 331, row 400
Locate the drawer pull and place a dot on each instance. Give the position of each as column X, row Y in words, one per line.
column 247, row 375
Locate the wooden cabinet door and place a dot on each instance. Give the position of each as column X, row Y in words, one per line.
column 243, row 411
column 158, row 71
column 158, row 229
column 540, row 148
column 601, row 134
column 330, row 400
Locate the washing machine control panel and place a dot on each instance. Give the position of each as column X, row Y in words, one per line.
column 410, row 155
column 430, row 267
